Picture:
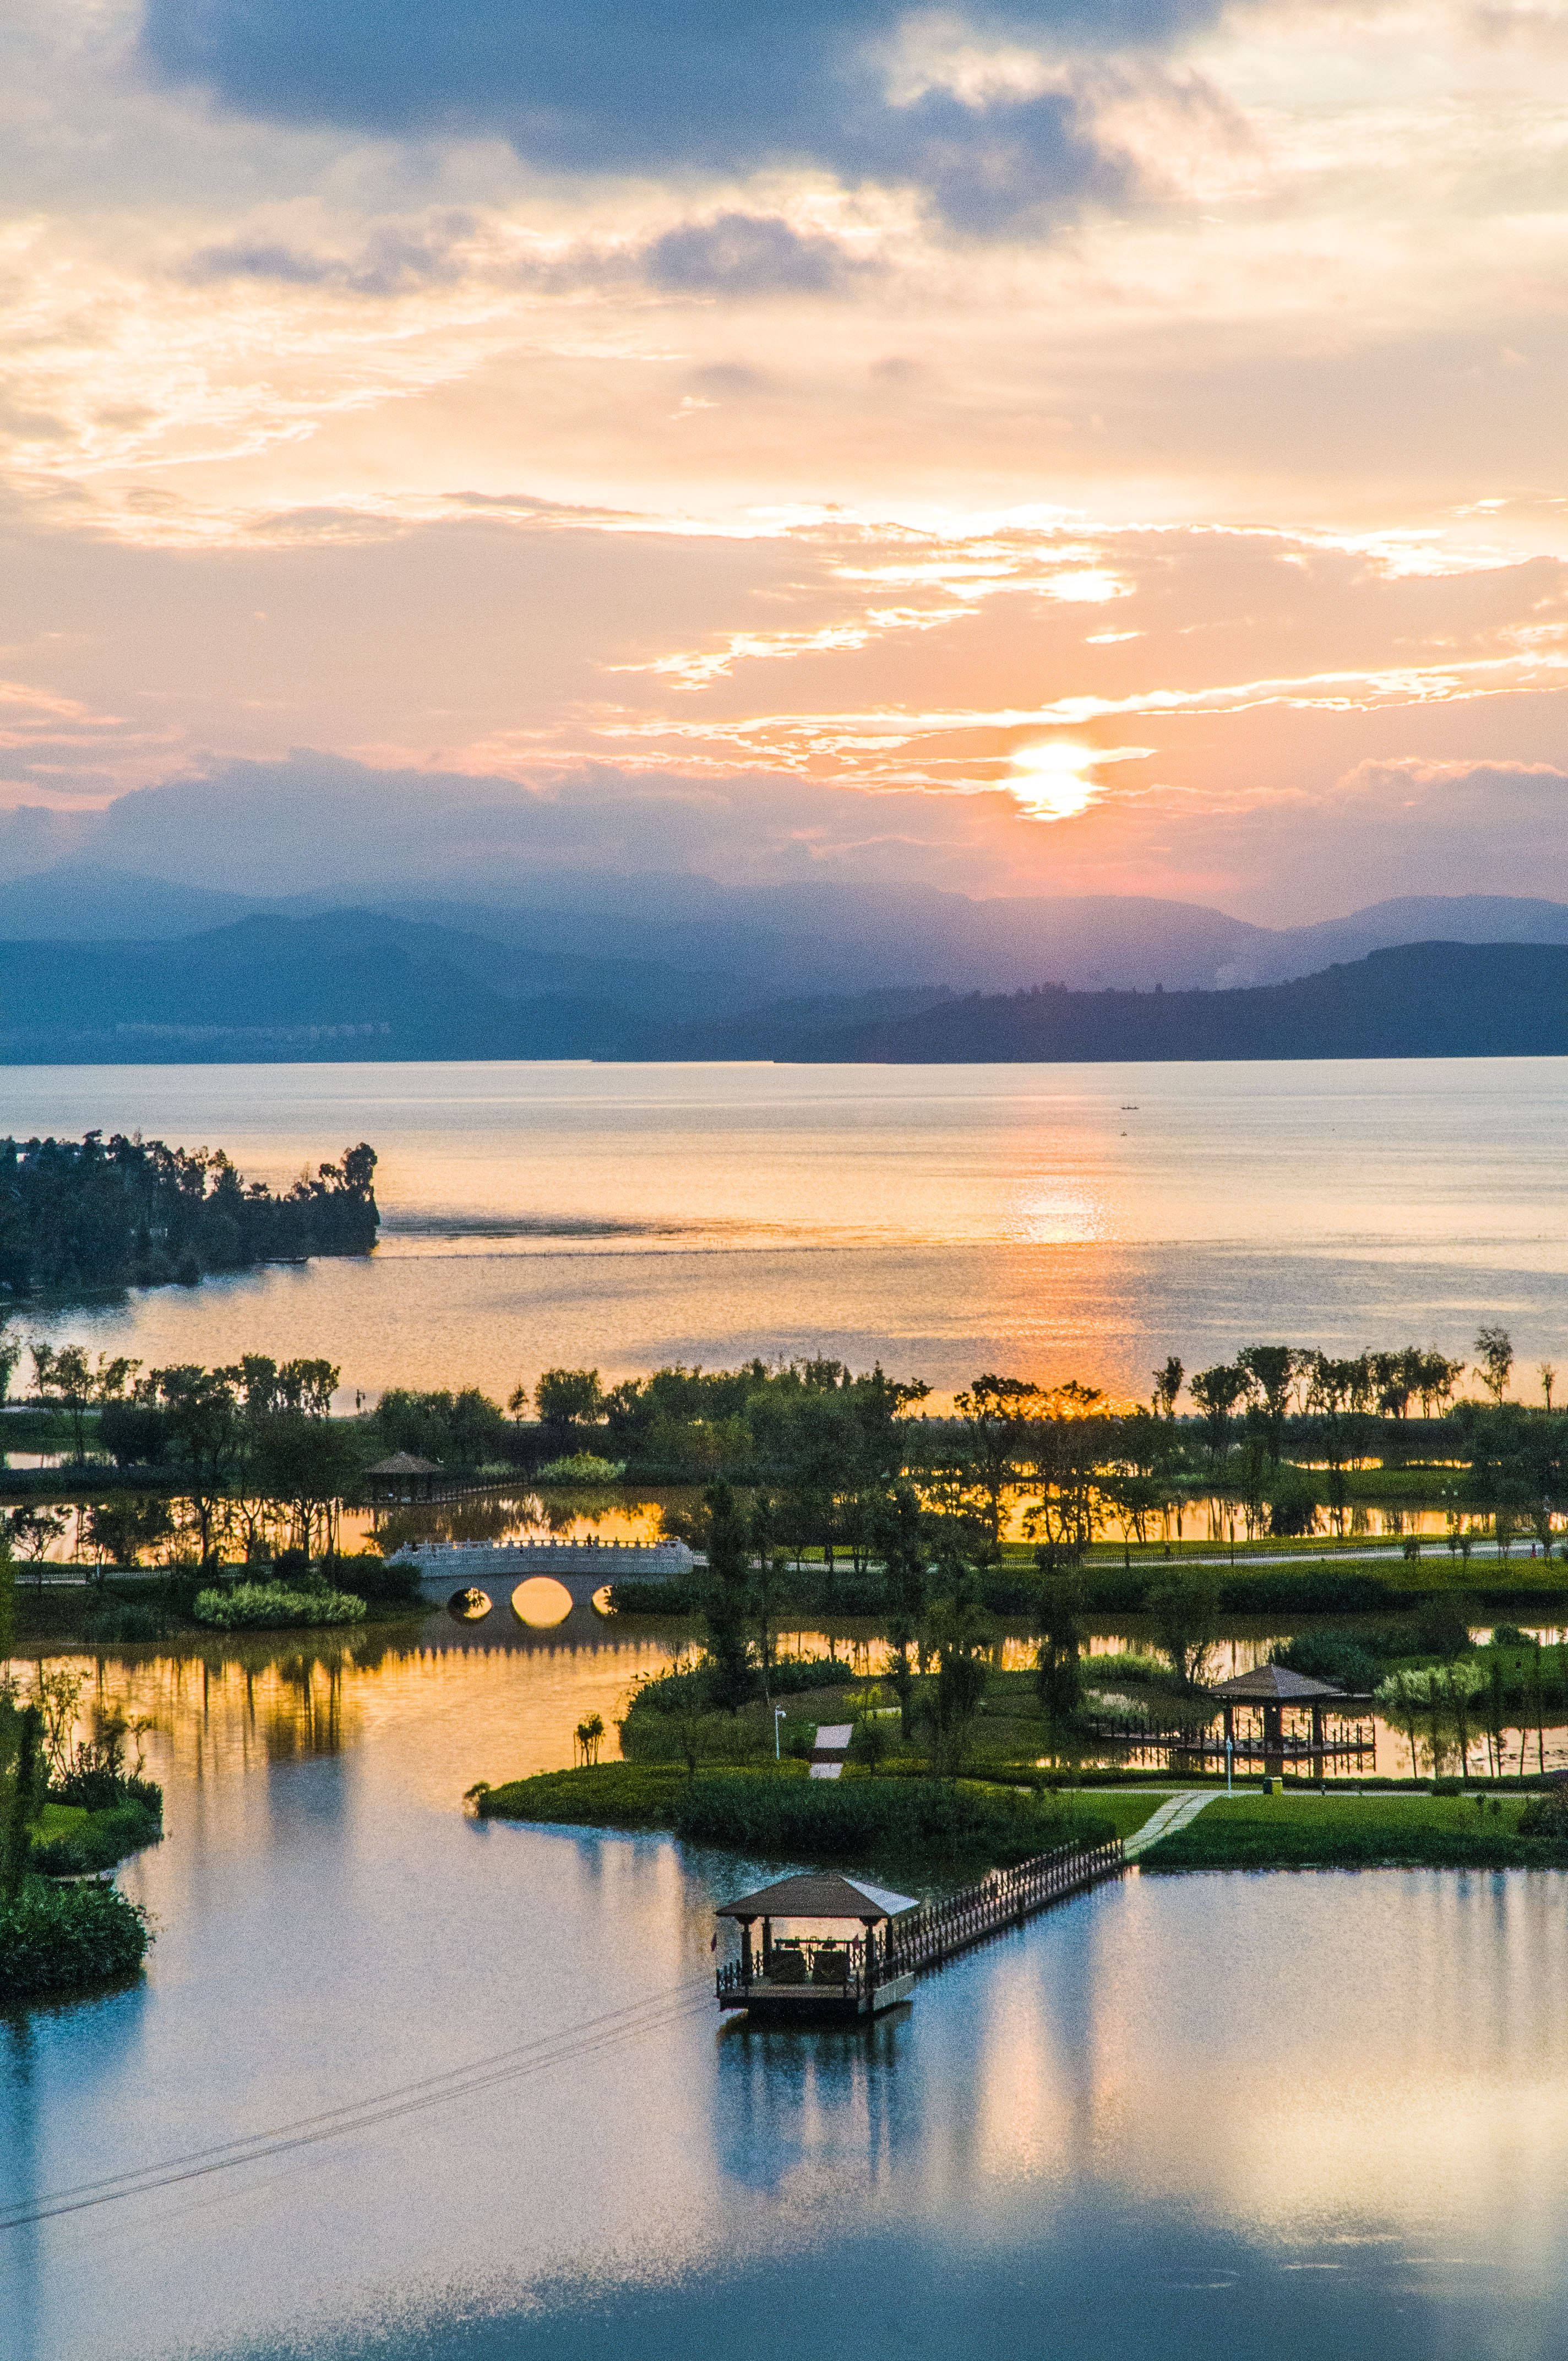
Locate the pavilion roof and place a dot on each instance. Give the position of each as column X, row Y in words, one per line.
column 403, row 1463
column 819, row 1896
column 1272, row 1684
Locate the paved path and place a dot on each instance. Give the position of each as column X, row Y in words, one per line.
column 1175, row 1814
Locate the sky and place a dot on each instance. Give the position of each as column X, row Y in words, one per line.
column 1113, row 447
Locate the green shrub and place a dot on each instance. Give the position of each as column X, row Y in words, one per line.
column 380, row 1581
column 126, row 1623
column 611, row 1796
column 1340, row 1840
column 582, row 1468
column 1440, row 1625
column 268, row 1606
column 1355, row 1664
column 1547, row 1815
column 56, row 1939
column 1322, row 1591
column 865, row 1819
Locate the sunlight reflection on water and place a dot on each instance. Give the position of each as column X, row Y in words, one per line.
column 942, row 1219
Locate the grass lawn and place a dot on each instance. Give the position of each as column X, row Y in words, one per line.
column 609, row 1796
column 58, row 1820
column 1257, row 1831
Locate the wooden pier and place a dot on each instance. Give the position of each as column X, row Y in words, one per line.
column 828, row 1977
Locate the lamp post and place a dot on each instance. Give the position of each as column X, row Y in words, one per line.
column 778, row 1717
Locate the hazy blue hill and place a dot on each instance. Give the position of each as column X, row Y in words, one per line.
column 359, row 984
column 1422, row 1000
column 274, row 989
column 675, row 947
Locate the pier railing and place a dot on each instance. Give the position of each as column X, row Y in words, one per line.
column 1004, row 1898
column 938, row 1930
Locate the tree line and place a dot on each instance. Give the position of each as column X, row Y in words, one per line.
column 830, row 1448
column 135, row 1212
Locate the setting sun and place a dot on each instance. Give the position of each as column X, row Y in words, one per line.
column 1054, row 781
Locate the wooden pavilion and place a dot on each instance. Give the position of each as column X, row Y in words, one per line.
column 1272, row 1688
column 810, row 1974
column 401, row 1478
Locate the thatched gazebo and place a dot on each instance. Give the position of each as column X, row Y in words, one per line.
column 402, row 1478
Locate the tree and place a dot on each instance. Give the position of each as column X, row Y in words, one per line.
column 202, row 1413
column 1269, row 1371
column 1068, row 1450
column 761, row 1543
column 308, row 1462
column 1167, row 1386
column 1545, row 1371
column 64, row 1375
column 7, row 1599
column 568, row 1398
column 729, row 1581
column 1059, row 1658
column 10, row 1353
column 995, row 1413
column 28, row 1532
column 1494, row 1357
column 591, row 1736
column 957, row 1631
column 1216, row 1393
column 118, row 1531
column 906, row 1555
column 1184, row 1608
column 26, row 1784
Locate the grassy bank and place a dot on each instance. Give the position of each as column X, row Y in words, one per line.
column 120, row 1612
column 89, row 1842
column 926, row 1830
column 1333, row 1831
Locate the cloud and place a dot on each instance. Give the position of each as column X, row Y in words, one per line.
column 732, row 254
column 745, row 254
column 396, row 258
column 988, row 123
column 318, row 822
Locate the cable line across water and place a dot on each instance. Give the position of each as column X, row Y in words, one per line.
column 596, row 2033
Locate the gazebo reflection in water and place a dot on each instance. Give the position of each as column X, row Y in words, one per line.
column 818, row 1968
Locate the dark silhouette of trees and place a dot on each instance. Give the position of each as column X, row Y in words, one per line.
column 116, row 1213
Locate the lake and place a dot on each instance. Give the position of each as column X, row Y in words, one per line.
column 1047, row 1221
column 1304, row 2114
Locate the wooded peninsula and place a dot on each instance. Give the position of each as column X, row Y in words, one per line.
column 136, row 1213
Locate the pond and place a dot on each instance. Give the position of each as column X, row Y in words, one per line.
column 503, row 2119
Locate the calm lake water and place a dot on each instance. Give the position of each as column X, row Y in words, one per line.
column 1049, row 1221
column 1152, row 2121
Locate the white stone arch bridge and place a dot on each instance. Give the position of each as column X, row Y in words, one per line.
column 497, row 1570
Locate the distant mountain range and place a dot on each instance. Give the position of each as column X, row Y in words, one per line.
column 692, row 943
column 1421, row 1000
column 362, row 984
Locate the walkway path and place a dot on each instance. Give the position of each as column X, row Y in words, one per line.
column 1175, row 1814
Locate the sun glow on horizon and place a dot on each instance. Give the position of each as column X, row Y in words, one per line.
column 1054, row 781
